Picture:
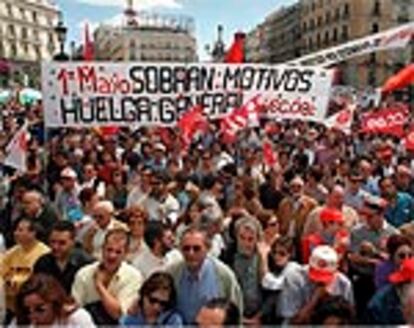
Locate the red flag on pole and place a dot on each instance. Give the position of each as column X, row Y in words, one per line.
column 88, row 51
column 190, row 123
column 400, row 80
column 235, row 54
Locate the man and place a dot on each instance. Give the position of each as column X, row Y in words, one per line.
column 294, row 209
column 246, row 264
column 369, row 181
column 335, row 201
column 354, row 194
column 218, row 313
column 37, row 209
column 400, row 209
column 64, row 260
column 199, row 278
column 67, row 201
column 319, row 279
column 102, row 214
column 368, row 240
column 18, row 261
column 154, row 258
column 109, row 287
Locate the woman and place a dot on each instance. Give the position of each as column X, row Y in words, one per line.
column 278, row 273
column 156, row 304
column 42, row 301
column 117, row 191
column 270, row 225
column 136, row 218
column 399, row 247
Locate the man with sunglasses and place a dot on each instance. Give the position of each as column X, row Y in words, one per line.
column 199, row 278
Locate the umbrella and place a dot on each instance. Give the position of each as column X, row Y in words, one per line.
column 4, row 96
column 28, row 96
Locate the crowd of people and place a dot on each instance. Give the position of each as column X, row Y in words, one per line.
column 125, row 226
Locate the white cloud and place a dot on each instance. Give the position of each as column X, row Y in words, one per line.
column 138, row 4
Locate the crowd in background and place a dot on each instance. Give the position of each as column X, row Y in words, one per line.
column 123, row 226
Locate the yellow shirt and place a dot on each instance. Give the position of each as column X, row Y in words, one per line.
column 17, row 266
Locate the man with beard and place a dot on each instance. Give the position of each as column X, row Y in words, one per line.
column 400, row 209
column 157, row 237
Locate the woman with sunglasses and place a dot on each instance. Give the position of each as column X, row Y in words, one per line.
column 156, row 304
column 42, row 301
column 399, row 248
column 279, row 272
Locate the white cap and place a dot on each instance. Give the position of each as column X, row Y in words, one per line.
column 68, row 173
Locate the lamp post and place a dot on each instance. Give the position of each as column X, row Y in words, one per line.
column 61, row 31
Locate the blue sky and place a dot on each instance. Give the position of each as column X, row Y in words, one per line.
column 234, row 15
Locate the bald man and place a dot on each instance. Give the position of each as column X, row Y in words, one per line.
column 104, row 221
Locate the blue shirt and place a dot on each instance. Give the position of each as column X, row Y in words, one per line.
column 169, row 318
column 402, row 212
column 196, row 290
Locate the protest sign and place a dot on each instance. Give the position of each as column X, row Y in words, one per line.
column 135, row 94
column 398, row 37
column 387, row 121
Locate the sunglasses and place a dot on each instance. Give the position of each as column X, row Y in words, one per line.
column 155, row 300
column 403, row 256
column 193, row 248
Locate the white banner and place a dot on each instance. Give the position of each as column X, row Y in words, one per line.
column 135, row 94
column 398, row 37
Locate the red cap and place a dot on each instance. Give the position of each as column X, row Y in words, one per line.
column 405, row 273
column 323, row 264
column 329, row 215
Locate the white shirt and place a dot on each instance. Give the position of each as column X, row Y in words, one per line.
column 99, row 238
column 124, row 285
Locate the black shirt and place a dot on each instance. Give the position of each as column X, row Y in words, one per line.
column 47, row 264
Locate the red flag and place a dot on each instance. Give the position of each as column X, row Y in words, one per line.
column 16, row 150
column 190, row 123
column 108, row 130
column 88, row 51
column 400, row 80
column 409, row 140
column 235, row 54
column 269, row 156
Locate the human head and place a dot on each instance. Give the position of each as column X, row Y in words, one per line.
column 102, row 213
column 32, row 202
column 296, row 186
column 373, row 212
column 194, row 247
column 154, row 234
column 136, row 218
column 334, row 311
column 89, row 172
column 68, row 178
column 269, row 223
column 248, row 233
column 336, row 197
column 387, row 187
column 218, row 312
column 332, row 220
column 403, row 176
column 114, row 249
column 25, row 232
column 354, row 181
column 88, row 198
column 323, row 265
column 157, row 294
column 62, row 239
column 40, row 301
column 280, row 253
column 399, row 248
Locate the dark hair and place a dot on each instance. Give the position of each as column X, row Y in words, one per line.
column 157, row 281
column 394, row 242
column 49, row 289
column 153, row 231
column 196, row 229
column 64, row 226
column 284, row 242
column 33, row 226
column 86, row 195
column 135, row 210
column 335, row 306
column 231, row 310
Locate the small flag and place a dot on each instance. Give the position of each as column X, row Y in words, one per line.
column 16, row 150
column 400, row 80
column 235, row 54
column 88, row 51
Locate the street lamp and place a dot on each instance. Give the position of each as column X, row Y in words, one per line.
column 61, row 31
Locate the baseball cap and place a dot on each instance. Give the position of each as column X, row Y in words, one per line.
column 159, row 146
column 323, row 264
column 405, row 273
column 68, row 173
column 330, row 215
column 375, row 203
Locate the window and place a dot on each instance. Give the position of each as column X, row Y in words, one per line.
column 22, row 14
column 24, row 33
column 34, row 16
column 346, row 10
column 344, row 33
column 37, row 52
column 13, row 50
column 36, row 35
column 319, row 21
column 327, row 17
column 25, row 47
column 318, row 40
column 337, row 14
column 304, row 27
column 335, row 35
column 11, row 29
column 375, row 28
column 377, row 8
column 326, row 39
column 9, row 10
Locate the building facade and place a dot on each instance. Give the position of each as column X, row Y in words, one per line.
column 149, row 37
column 27, row 36
column 256, row 49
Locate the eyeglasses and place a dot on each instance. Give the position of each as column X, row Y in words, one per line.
column 405, row 255
column 193, row 248
column 154, row 300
